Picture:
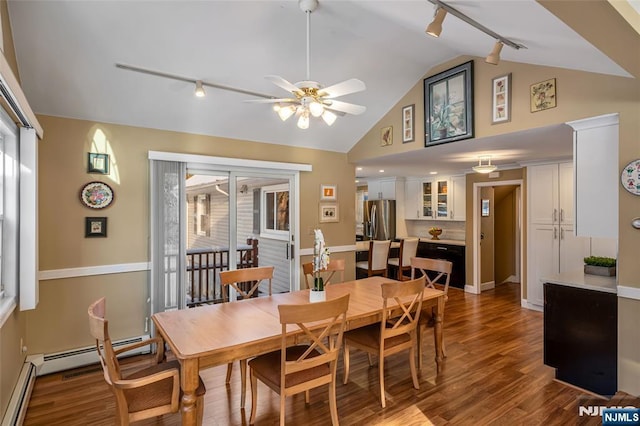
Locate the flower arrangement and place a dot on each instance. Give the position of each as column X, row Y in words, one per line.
column 320, row 259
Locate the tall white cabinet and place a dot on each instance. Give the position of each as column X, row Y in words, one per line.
column 552, row 244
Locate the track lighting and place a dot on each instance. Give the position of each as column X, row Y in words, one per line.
column 494, row 56
column 435, row 27
column 484, row 168
column 199, row 89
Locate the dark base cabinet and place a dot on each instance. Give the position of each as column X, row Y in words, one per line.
column 450, row 252
column 581, row 337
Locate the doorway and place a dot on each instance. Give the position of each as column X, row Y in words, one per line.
column 497, row 234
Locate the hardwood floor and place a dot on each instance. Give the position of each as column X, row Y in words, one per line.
column 493, row 374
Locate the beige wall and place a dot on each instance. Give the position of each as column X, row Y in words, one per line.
column 505, row 233
column 487, row 244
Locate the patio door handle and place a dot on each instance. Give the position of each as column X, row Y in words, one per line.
column 286, row 253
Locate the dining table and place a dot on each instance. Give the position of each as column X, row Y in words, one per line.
column 212, row 335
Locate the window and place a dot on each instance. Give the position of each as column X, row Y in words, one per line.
column 275, row 212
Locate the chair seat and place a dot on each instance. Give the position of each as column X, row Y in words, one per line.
column 370, row 336
column 155, row 394
column 362, row 265
column 267, row 366
column 394, row 261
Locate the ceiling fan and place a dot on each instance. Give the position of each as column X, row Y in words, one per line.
column 309, row 97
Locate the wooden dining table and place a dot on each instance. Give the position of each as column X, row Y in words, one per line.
column 212, row 335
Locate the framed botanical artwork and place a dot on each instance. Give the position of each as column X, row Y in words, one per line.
column 98, row 163
column 328, row 192
column 501, row 99
column 95, row 227
column 543, row 95
column 448, row 105
column 328, row 213
column 408, row 123
column 386, row 136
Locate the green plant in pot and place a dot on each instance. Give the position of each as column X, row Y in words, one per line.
column 600, row 265
column 441, row 120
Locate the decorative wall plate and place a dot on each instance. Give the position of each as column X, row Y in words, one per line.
column 96, row 195
column 630, row 177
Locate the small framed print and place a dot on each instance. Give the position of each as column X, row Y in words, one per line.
column 543, row 95
column 98, row 163
column 407, row 123
column 328, row 213
column 485, row 208
column 386, row 136
column 501, row 99
column 329, row 192
column 95, row 227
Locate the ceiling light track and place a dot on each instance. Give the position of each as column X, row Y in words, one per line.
column 194, row 81
column 477, row 25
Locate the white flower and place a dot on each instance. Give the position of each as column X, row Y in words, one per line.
column 320, row 252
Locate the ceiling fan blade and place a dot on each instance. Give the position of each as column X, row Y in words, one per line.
column 348, row 86
column 281, row 82
column 271, row 101
column 345, row 107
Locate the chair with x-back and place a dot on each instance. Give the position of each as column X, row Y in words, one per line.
column 334, row 266
column 435, row 271
column 149, row 392
column 246, row 282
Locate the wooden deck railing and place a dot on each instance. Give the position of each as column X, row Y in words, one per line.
column 204, row 266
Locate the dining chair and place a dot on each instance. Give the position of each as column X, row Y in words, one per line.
column 435, row 271
column 335, row 265
column 402, row 263
column 148, row 392
column 396, row 332
column 299, row 368
column 254, row 276
column 376, row 263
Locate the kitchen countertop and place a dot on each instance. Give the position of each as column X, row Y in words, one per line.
column 579, row 279
column 443, row 241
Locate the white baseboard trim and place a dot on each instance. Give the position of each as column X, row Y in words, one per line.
column 333, row 249
column 511, row 279
column 56, row 274
column 17, row 408
column 488, row 285
column 525, row 304
column 629, row 292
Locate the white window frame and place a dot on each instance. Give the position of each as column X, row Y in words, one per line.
column 264, row 231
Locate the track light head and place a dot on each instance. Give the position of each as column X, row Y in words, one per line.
column 494, row 56
column 435, row 27
column 199, row 89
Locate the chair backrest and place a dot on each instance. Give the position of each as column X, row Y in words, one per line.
column 434, row 270
column 251, row 275
column 324, row 340
column 335, row 265
column 402, row 303
column 408, row 249
column 99, row 329
column 378, row 254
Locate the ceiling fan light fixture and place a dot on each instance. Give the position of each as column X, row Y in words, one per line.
column 484, row 168
column 200, row 93
column 316, row 108
column 435, row 27
column 494, row 56
column 329, row 117
column 285, row 112
column 303, row 121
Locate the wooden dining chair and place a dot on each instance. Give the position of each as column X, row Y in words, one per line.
column 376, row 263
column 149, row 392
column 435, row 271
column 402, row 263
column 396, row 332
column 234, row 278
column 302, row 367
column 335, row 265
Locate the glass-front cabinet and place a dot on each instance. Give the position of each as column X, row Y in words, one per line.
column 427, row 199
column 435, row 199
column 443, row 199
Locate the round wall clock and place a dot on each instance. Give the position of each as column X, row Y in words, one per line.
column 630, row 177
column 96, row 195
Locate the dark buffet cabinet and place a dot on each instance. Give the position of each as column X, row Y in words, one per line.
column 581, row 337
column 451, row 252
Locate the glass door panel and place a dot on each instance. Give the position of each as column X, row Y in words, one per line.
column 427, row 199
column 443, row 208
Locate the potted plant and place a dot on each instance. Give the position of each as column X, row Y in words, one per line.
column 598, row 265
column 440, row 121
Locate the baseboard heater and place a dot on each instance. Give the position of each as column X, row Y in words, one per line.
column 17, row 409
column 60, row 361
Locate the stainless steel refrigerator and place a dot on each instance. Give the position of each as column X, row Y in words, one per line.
column 379, row 219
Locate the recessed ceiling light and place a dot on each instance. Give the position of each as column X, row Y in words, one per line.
column 381, row 170
column 358, row 168
column 357, row 181
column 433, row 173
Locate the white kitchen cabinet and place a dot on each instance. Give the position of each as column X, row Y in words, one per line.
column 458, row 209
column 552, row 244
column 381, row 189
column 413, row 199
column 439, row 199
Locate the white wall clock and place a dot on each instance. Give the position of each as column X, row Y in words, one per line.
column 96, row 195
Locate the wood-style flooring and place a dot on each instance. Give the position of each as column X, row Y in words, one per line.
column 493, row 374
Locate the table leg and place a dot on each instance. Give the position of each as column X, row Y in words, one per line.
column 189, row 380
column 437, row 333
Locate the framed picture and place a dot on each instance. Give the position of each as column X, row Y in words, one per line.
column 95, row 227
column 328, row 192
column 543, row 95
column 328, row 213
column 501, row 99
column 96, row 195
column 448, row 105
column 407, row 123
column 485, row 208
column 98, row 163
column 386, row 136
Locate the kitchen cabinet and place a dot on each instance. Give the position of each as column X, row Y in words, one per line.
column 553, row 246
column 440, row 199
column 381, row 189
column 453, row 253
column 458, row 210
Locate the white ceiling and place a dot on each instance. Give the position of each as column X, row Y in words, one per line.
column 67, row 51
